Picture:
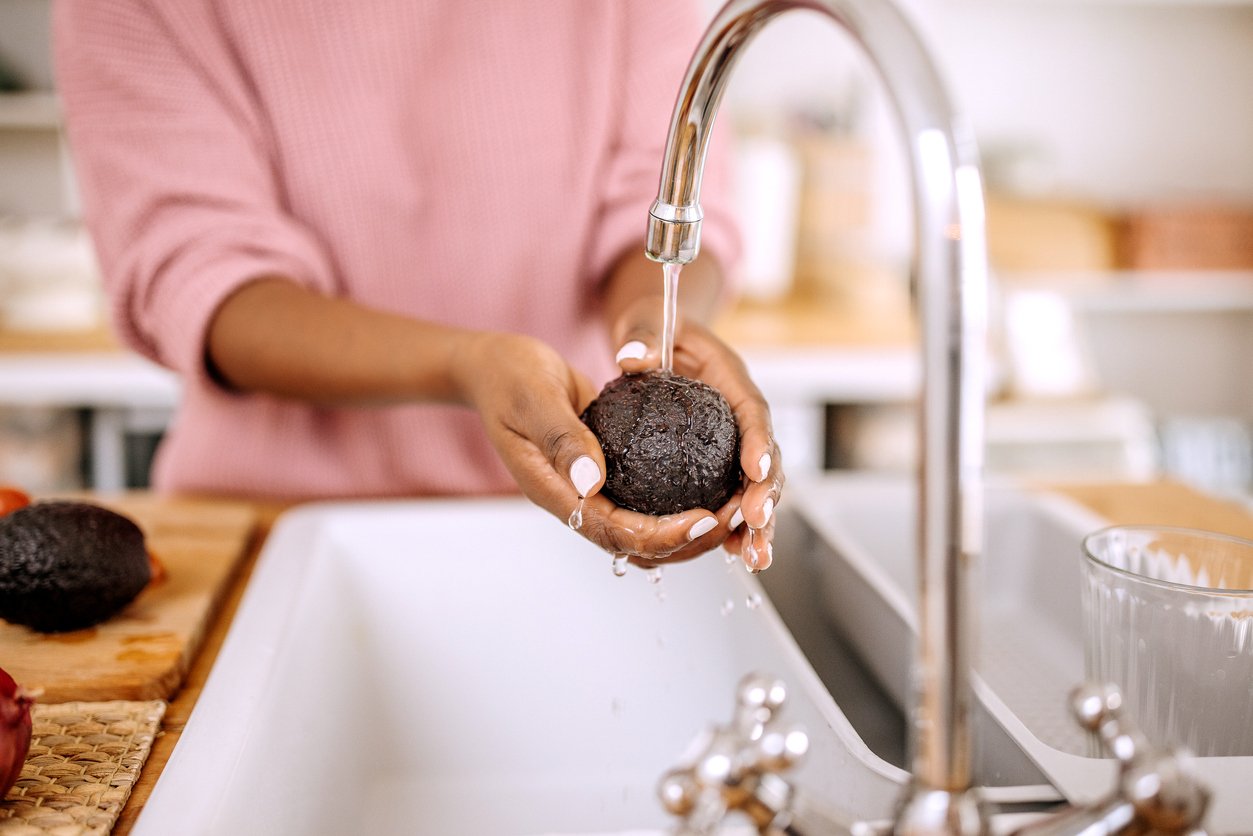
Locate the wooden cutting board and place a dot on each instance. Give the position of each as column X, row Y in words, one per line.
column 144, row 652
column 1161, row 503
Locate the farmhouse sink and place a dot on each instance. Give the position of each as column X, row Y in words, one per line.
column 475, row 667
column 472, row 666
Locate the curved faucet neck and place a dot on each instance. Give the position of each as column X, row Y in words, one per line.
column 951, row 276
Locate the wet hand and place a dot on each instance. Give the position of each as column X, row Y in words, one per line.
column 530, row 400
column 700, row 354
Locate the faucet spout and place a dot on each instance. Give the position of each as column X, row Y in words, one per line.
column 950, row 278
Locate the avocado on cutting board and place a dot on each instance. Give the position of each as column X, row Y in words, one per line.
column 144, row 651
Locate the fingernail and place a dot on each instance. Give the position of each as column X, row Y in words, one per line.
column 767, row 508
column 763, row 464
column 757, row 561
column 634, row 350
column 702, row 526
column 584, row 474
column 737, row 519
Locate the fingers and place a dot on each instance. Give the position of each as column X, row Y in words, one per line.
column 709, row 359
column 567, row 444
column 648, row 538
column 753, row 519
column 637, row 333
column 638, row 353
column 762, row 493
column 611, row 527
column 705, row 357
column 755, row 547
column 529, row 406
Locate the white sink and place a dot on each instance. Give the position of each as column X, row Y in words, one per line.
column 474, row 667
column 1030, row 651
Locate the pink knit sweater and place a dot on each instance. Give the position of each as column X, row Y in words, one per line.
column 478, row 163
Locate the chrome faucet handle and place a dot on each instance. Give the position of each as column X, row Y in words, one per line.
column 734, row 767
column 1159, row 782
column 1157, row 791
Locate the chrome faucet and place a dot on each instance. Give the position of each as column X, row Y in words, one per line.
column 951, row 278
column 736, row 766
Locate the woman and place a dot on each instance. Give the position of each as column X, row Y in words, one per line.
column 345, row 223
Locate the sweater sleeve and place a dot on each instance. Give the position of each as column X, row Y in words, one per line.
column 173, row 167
column 659, row 40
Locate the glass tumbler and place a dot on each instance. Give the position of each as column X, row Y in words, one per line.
column 1169, row 619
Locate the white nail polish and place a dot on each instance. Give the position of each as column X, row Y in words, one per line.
column 763, row 464
column 767, row 509
column 702, row 526
column 634, row 350
column 584, row 474
column 737, row 519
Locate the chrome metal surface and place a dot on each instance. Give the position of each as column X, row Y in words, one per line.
column 951, row 278
column 1157, row 791
column 734, row 768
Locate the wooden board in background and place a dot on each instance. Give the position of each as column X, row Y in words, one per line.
column 1161, row 503
column 144, row 652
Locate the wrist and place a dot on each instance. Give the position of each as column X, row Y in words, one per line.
column 466, row 349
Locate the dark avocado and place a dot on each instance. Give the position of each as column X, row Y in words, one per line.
column 670, row 443
column 68, row 565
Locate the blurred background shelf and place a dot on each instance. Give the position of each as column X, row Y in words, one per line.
column 30, row 111
column 1114, row 135
column 76, row 410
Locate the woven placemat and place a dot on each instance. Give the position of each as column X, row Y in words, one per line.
column 84, row 757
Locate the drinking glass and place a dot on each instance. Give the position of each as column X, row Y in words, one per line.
column 1169, row 619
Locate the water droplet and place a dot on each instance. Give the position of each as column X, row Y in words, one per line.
column 753, row 601
column 619, row 564
column 576, row 516
column 654, row 578
column 752, row 561
column 727, row 607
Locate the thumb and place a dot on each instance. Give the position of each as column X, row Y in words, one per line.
column 637, row 333
column 640, row 350
column 570, row 448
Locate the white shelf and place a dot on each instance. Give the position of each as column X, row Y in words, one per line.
column 88, row 380
column 1143, row 291
column 30, row 111
column 1171, row 292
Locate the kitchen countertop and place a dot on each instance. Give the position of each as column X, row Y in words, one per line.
column 1163, row 503
column 80, row 368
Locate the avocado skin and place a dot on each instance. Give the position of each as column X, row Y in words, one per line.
column 670, row 443
column 68, row 565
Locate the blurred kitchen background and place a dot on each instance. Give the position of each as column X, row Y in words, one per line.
column 1117, row 143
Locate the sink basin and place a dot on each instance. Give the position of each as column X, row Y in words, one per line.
column 1030, row 621
column 474, row 667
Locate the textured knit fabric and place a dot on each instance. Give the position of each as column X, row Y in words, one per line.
column 480, row 164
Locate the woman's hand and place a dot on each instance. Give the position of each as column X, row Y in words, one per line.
column 530, row 400
column 699, row 354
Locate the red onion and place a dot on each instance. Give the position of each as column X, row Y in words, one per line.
column 15, row 727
